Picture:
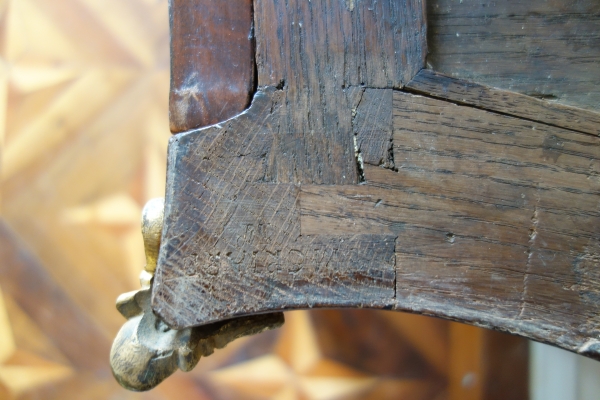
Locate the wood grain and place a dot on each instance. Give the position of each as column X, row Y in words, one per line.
column 316, row 52
column 544, row 49
column 76, row 170
column 471, row 215
column 232, row 198
column 473, row 94
column 495, row 222
column 372, row 125
column 379, row 44
column 235, row 233
column 491, row 213
column 212, row 61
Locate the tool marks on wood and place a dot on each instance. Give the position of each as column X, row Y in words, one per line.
column 496, row 219
column 317, row 51
column 485, row 218
column 472, row 215
column 232, row 244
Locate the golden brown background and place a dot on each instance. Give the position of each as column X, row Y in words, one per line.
column 83, row 92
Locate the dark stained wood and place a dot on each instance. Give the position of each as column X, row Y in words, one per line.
column 238, row 239
column 496, row 219
column 301, row 202
column 212, row 61
column 316, row 51
column 232, row 197
column 544, row 49
column 372, row 125
column 469, row 93
column 375, row 44
column 42, row 299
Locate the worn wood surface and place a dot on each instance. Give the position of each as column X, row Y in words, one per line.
column 316, row 52
column 372, row 126
column 544, row 49
column 224, row 214
column 496, row 219
column 477, row 95
column 146, row 351
column 212, row 67
column 336, row 189
column 84, row 144
column 232, row 197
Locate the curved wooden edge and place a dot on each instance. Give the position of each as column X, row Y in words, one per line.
column 482, row 218
column 431, row 83
column 146, row 351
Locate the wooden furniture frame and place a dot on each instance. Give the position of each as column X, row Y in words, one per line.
column 318, row 162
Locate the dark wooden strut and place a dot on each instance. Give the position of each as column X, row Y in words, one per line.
column 357, row 178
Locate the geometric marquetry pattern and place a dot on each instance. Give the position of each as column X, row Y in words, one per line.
column 84, row 131
column 84, row 128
